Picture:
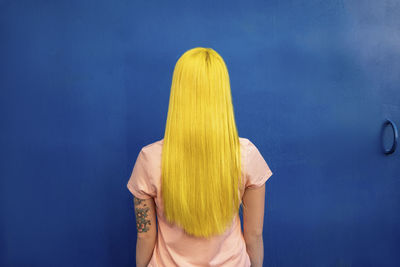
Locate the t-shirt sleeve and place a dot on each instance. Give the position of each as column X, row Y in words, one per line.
column 257, row 169
column 139, row 183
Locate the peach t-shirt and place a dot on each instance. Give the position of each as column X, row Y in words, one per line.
column 173, row 246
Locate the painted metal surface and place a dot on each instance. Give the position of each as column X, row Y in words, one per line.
column 85, row 84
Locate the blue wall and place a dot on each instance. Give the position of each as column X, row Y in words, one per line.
column 85, row 84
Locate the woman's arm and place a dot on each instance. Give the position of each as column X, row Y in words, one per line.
column 145, row 214
column 253, row 222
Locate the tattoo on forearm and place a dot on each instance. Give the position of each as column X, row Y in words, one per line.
column 141, row 212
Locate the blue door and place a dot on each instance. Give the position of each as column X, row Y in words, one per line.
column 85, row 84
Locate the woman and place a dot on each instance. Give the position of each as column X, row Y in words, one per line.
column 194, row 180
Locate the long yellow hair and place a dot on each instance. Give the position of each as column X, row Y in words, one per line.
column 201, row 168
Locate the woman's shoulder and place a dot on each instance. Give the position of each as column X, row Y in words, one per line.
column 157, row 145
column 152, row 150
column 244, row 140
column 245, row 143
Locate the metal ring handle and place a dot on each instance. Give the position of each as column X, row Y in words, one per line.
column 395, row 137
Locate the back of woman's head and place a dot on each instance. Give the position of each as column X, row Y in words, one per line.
column 201, row 152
